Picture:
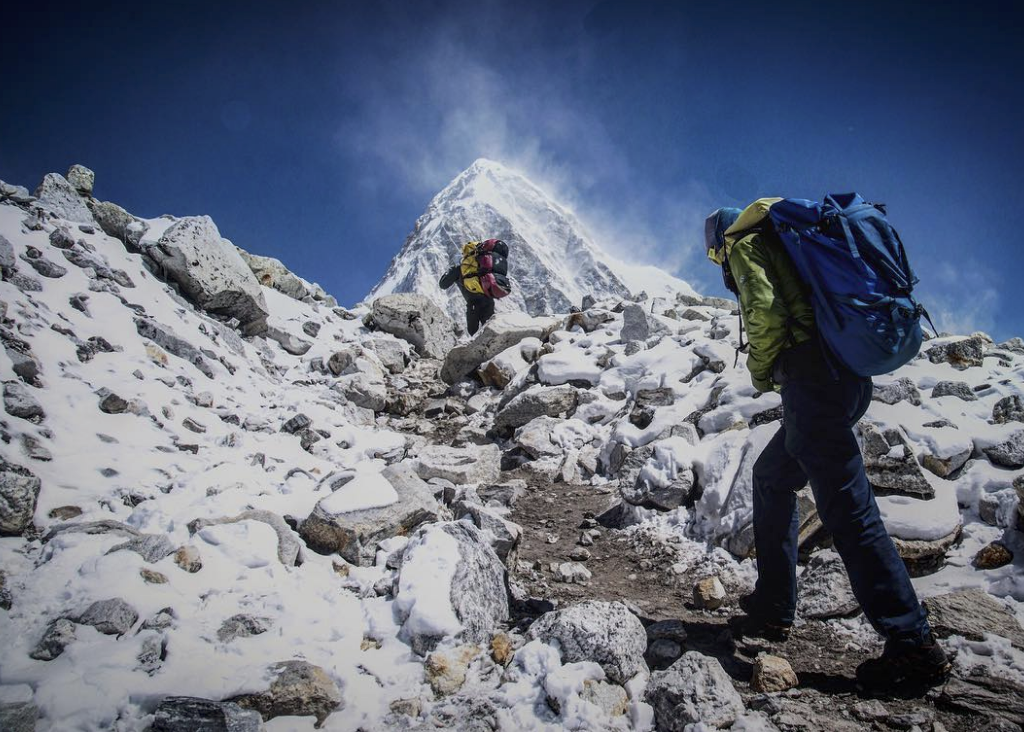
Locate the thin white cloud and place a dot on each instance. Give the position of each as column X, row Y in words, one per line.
column 961, row 299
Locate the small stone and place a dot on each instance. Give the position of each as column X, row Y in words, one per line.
column 19, row 402
column 993, row 556
column 187, row 557
column 151, row 655
column 664, row 652
column 446, row 670
column 204, row 399
column 299, row 689
column 709, row 593
column 502, row 650
column 1008, row 409
column 296, row 423
column 81, row 179
column 113, row 404
column 772, row 674
column 408, row 707
column 579, row 554
column 191, row 714
column 57, row 637
column 65, row 513
column 311, row 329
column 242, row 626
column 1008, row 454
column 153, row 577
column 609, row 698
column 573, row 573
column 110, row 617
column 898, row 391
column 193, row 426
column 958, row 389
column 163, row 620
column 61, row 238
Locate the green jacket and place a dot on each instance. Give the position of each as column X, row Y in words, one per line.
column 772, row 294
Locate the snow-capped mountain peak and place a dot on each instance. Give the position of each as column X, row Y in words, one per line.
column 554, row 261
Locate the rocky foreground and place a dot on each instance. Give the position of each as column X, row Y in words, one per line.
column 228, row 504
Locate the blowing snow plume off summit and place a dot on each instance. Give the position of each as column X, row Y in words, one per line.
column 555, row 260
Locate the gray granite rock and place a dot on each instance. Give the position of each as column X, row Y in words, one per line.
column 20, row 402
column 500, row 332
column 603, row 632
column 478, row 593
column 958, row 389
column 890, row 462
column 61, row 238
column 460, row 465
column 961, row 354
column 1008, row 454
column 171, row 343
column 646, row 492
column 209, row 271
column 270, row 272
column 638, row 324
column 289, row 341
column 151, row 547
column 118, row 223
column 57, row 195
column 416, row 319
column 18, row 716
column 692, row 690
column 242, row 626
column 972, row 613
column 46, row 268
column 81, row 179
column 8, row 262
column 1008, row 409
column 191, row 714
column 19, row 490
column 823, row 590
column 505, row 536
column 536, row 402
column 924, row 556
column 898, row 391
column 355, row 534
column 58, row 636
column 110, row 617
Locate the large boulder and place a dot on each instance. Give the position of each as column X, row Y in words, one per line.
column 537, row 401
column 271, row 272
column 638, row 324
column 500, row 332
column 19, row 490
column 416, row 319
column 606, row 633
column 60, row 197
column 81, row 179
column 695, row 689
column 210, row 271
column 451, row 585
column 960, row 354
column 371, row 508
column 460, row 465
column 118, row 223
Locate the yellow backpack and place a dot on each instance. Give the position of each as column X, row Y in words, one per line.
column 471, row 268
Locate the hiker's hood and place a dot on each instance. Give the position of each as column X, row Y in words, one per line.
column 752, row 215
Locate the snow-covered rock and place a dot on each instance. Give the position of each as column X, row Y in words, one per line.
column 501, row 332
column 57, row 195
column 451, row 585
column 416, row 319
column 695, row 689
column 368, row 509
column 536, row 402
column 209, row 269
column 605, row 633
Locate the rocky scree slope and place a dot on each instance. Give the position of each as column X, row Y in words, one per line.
column 230, row 504
column 554, row 262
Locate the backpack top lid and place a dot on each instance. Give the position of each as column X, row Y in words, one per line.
column 715, row 226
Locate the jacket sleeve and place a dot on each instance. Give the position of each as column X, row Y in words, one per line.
column 450, row 277
column 764, row 310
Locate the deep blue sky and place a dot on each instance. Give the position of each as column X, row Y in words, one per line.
column 318, row 132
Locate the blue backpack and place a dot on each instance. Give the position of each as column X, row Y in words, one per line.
column 861, row 282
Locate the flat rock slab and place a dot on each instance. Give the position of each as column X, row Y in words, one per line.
column 300, row 689
column 500, row 332
column 972, row 613
column 460, row 465
column 355, row 534
column 191, row 714
column 824, row 589
column 539, row 401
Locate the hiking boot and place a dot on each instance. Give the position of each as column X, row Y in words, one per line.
column 755, row 624
column 901, row 666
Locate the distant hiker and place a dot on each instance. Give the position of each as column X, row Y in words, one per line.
column 822, row 399
column 482, row 277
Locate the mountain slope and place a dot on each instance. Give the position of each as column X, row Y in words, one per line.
column 553, row 263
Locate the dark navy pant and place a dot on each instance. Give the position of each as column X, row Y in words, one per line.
column 820, row 406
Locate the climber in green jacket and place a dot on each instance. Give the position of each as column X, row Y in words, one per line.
column 821, row 402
